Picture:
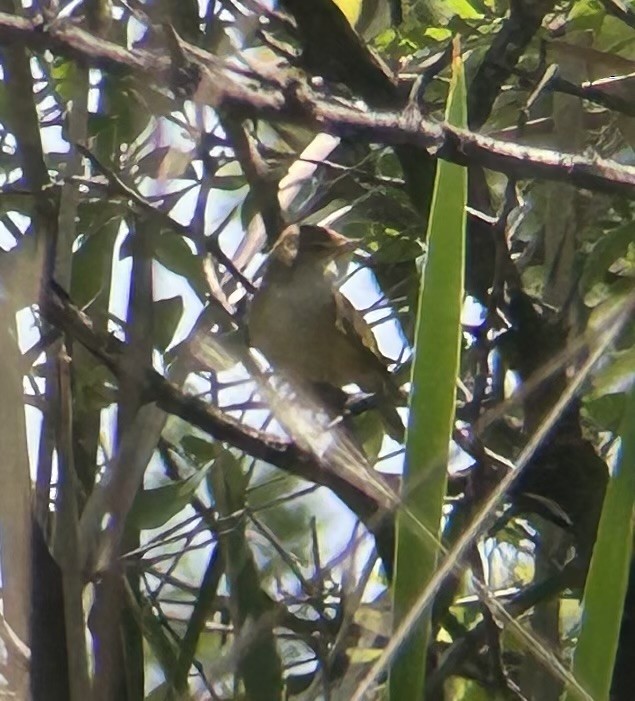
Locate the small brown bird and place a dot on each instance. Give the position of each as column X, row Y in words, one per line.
column 308, row 331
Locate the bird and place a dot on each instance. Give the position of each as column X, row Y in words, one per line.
column 309, row 332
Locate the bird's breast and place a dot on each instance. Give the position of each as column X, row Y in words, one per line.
column 290, row 323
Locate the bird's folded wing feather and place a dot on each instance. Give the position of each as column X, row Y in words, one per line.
column 351, row 322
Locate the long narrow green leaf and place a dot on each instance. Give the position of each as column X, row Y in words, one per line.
column 604, row 593
column 432, row 400
column 258, row 662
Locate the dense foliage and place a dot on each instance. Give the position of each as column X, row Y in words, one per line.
column 180, row 520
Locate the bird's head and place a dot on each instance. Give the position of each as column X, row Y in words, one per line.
column 308, row 244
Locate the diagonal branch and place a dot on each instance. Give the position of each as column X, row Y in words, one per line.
column 281, row 95
column 371, row 504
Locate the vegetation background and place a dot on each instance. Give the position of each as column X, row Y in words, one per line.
column 161, row 535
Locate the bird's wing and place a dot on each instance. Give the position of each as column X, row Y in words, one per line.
column 375, row 376
column 351, row 322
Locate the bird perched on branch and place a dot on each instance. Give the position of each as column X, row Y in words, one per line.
column 308, row 331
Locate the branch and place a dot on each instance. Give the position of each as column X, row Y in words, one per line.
column 280, row 95
column 525, row 18
column 619, row 9
column 371, row 504
column 300, row 103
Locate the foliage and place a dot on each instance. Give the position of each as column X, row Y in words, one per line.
column 431, row 415
column 180, row 520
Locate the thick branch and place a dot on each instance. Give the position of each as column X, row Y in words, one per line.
column 280, row 95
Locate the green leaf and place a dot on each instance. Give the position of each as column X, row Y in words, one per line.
column 617, row 376
column 369, row 432
column 259, row 664
column 162, row 645
column 122, row 114
column 586, row 14
column 604, row 596
column 351, row 9
column 199, row 449
column 92, row 261
column 440, row 12
column 172, row 251
column 606, row 411
column 235, row 479
column 66, row 74
column 606, row 251
column 435, row 368
column 228, row 182
column 154, row 507
column 167, row 315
